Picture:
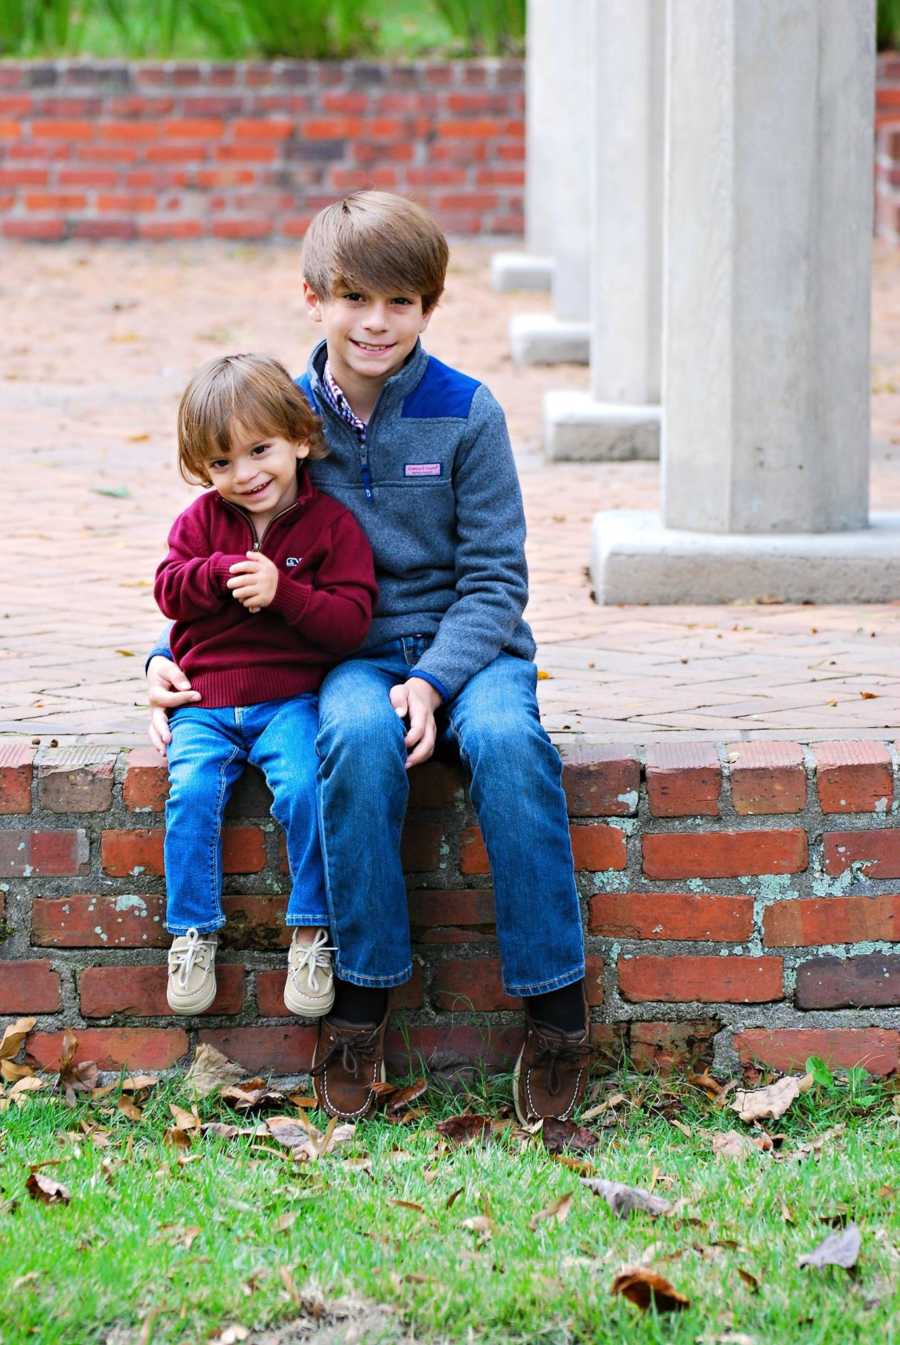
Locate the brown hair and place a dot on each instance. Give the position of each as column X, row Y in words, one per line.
column 375, row 240
column 253, row 391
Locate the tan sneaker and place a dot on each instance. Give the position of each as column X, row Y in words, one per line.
column 309, row 988
column 192, row 973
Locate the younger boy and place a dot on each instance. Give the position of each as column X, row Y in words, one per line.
column 420, row 455
column 269, row 583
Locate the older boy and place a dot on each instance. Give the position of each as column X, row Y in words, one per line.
column 420, row 455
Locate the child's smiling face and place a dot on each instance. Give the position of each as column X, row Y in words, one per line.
column 369, row 334
column 259, row 473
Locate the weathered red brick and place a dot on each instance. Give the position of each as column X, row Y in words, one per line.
column 160, row 229
column 281, row 1050
column 866, row 982
column 701, row 980
column 854, row 776
column 482, row 128
column 876, row 853
column 141, row 991
column 43, row 854
column 451, row 917
column 104, row 228
column 876, row 1049
column 124, row 853
column 61, row 201
column 672, row 915
column 683, row 779
column 421, row 847
column 242, row 228
column 601, row 781
column 811, row 920
column 89, row 920
column 262, row 128
column 76, row 780
column 115, row 1048
column 28, row 987
column 452, row 1050
column 668, row 1046
column 435, row 785
column 16, row 765
column 767, row 778
column 597, row 848
column 44, row 230
column 460, row 985
column 194, row 128
column 724, row 854
column 146, row 783
column 52, row 129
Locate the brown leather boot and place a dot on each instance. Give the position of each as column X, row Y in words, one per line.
column 347, row 1062
column 551, row 1072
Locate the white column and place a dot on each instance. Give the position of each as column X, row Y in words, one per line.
column 619, row 417
column 768, row 228
column 557, row 197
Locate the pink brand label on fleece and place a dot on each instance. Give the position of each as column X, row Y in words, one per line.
column 422, row 469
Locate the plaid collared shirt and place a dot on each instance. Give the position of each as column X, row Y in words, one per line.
column 338, row 403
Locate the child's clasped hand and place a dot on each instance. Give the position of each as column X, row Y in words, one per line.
column 254, row 581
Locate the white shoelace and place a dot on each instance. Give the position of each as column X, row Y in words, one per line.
column 195, row 953
column 312, row 956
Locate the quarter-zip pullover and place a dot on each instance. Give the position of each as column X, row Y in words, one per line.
column 321, row 610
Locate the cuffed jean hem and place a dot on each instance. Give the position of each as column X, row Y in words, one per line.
column 373, row 982
column 307, row 921
column 201, row 929
column 544, row 987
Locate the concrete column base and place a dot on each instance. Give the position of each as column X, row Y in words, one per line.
column 578, row 429
column 540, row 338
column 634, row 559
column 519, row 271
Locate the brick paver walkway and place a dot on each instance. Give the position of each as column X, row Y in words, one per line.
column 98, row 344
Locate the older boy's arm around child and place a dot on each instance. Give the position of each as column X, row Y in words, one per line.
column 420, row 454
column 268, row 583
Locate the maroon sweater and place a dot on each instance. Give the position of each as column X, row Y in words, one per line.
column 321, row 610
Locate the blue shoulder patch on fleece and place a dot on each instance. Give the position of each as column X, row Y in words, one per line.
column 305, row 387
column 442, row 392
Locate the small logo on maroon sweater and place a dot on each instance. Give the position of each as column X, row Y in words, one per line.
column 422, row 469
column 291, row 561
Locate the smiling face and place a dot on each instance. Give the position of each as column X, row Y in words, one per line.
column 369, row 336
column 258, row 474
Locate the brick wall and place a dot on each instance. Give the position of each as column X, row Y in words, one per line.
column 251, row 150
column 887, row 148
column 739, row 902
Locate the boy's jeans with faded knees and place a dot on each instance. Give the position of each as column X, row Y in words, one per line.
column 516, row 789
column 207, row 754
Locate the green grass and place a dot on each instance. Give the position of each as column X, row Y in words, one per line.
column 117, row 1252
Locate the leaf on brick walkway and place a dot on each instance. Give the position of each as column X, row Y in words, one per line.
column 760, row 1104
column 210, row 1070
column 624, row 1200
column 838, row 1249
column 13, row 1037
column 644, row 1287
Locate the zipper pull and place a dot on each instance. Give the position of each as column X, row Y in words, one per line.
column 367, row 481
column 256, row 545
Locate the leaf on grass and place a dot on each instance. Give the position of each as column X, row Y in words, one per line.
column 453, row 1197
column 231, row 1335
column 624, row 1200
column 209, row 1071
column 838, row 1249
column 12, row 1072
column 404, row 1096
column 287, row 1280
column 812, row 1148
column 579, row 1165
column 558, row 1210
column 178, row 1139
column 560, row 1135
column 136, row 1083
column 127, row 1108
column 463, row 1129
column 185, row 1120
column 706, row 1081
column 307, row 1101
column 306, row 1143
column 409, row 1205
column 44, row 1188
column 729, row 1338
column 480, row 1224
column 731, row 1144
column 644, row 1287
column 286, row 1221
column 178, row 1236
column 75, row 1078
column 13, row 1037
column 750, row 1280
column 242, row 1098
column 20, row 1090
column 760, row 1104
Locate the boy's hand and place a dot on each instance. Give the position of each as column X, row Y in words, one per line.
column 417, row 700
column 255, row 581
column 167, row 688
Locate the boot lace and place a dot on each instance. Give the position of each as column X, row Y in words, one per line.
column 555, row 1054
column 355, row 1049
column 195, row 952
column 313, row 957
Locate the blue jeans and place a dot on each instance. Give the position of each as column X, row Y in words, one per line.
column 515, row 787
column 207, row 754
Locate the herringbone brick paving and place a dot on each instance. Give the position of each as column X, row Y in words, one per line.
column 98, row 344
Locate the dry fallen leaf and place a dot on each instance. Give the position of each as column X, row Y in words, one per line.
column 13, row 1037
column 136, row 1083
column 243, row 1097
column 838, row 1249
column 306, row 1143
column 75, row 1078
column 760, row 1104
column 231, row 1335
column 731, row 1144
column 210, row 1070
column 408, row 1205
column 480, row 1224
column 560, row 1135
column 20, row 1090
column 463, row 1129
column 644, row 1287
column 185, row 1120
column 623, row 1200
column 559, row 1210
column 127, row 1108
column 12, row 1072
column 44, row 1188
